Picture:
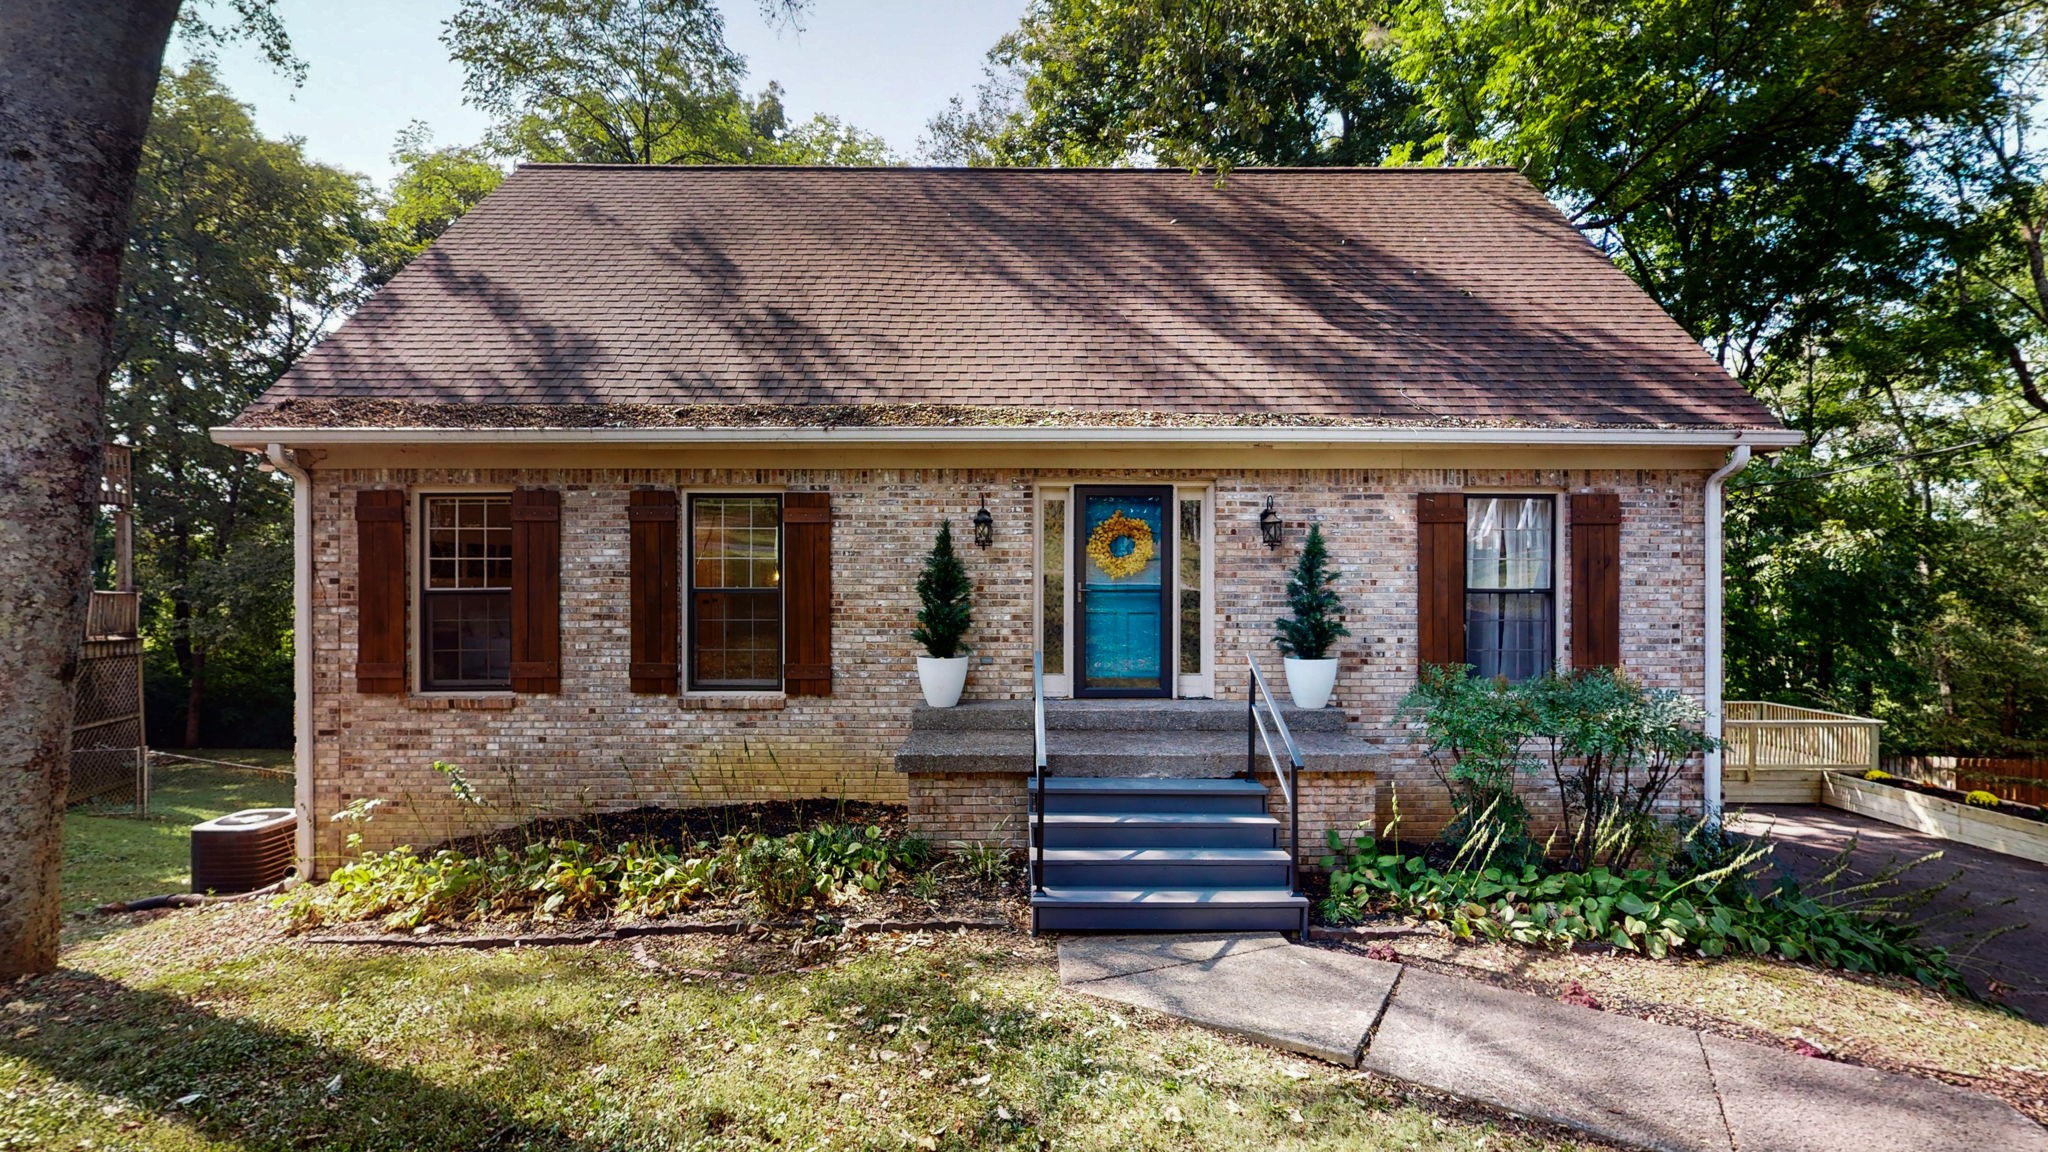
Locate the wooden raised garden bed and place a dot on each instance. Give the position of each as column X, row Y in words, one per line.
column 1937, row 815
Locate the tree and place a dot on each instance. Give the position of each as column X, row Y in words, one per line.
column 242, row 254
column 76, row 78
column 630, row 82
column 1317, row 617
column 946, row 599
column 433, row 189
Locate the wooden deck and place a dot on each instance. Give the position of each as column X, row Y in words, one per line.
column 1777, row 753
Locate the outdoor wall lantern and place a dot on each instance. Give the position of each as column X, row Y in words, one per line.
column 1269, row 525
column 984, row 526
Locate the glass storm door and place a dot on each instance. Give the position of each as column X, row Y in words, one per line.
column 1123, row 558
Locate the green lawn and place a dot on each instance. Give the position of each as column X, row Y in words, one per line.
column 110, row 858
column 203, row 1030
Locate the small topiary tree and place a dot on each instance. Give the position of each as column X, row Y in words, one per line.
column 947, row 595
column 1318, row 616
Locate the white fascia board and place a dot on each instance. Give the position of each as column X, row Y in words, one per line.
column 1303, row 436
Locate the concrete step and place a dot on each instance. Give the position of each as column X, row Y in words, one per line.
column 1165, row 868
column 1160, row 830
column 1075, row 794
column 1088, row 909
column 1101, row 753
column 1116, row 716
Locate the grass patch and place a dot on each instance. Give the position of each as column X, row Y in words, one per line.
column 205, row 1029
column 108, row 857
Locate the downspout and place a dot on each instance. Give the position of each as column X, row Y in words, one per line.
column 1738, row 459
column 302, row 649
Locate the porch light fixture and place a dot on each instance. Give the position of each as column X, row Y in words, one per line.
column 1269, row 525
column 984, row 526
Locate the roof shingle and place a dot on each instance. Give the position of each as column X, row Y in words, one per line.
column 1411, row 296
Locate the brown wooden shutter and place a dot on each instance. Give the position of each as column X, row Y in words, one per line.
column 1596, row 580
column 1440, row 577
column 380, row 591
column 807, row 593
column 651, row 559
column 536, row 590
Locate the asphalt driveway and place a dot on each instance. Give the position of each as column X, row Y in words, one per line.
column 1985, row 891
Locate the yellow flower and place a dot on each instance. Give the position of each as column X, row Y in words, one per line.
column 1102, row 546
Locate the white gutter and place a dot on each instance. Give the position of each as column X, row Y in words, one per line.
column 1716, row 483
column 302, row 648
column 852, row 436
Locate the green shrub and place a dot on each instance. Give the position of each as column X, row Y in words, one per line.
column 1981, row 799
column 1612, row 747
column 1651, row 911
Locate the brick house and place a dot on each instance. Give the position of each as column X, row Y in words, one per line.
column 617, row 494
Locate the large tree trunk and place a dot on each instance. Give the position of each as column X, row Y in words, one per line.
column 76, row 81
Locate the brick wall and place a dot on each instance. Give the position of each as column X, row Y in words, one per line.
column 948, row 808
column 1340, row 802
column 596, row 746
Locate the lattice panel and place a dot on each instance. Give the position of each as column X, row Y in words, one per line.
column 108, row 689
column 107, row 764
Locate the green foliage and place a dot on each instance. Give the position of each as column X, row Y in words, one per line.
column 433, row 189
column 1612, row 746
column 569, row 878
column 630, row 82
column 986, row 864
column 242, row 252
column 1318, row 615
column 1981, row 799
column 1615, row 747
column 1727, row 909
column 947, row 599
column 1478, row 734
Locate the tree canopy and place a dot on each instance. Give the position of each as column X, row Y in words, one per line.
column 631, row 82
column 242, row 253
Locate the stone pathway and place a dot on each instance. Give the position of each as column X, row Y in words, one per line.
column 1616, row 1077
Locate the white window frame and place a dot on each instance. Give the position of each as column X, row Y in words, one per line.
column 416, row 587
column 684, row 619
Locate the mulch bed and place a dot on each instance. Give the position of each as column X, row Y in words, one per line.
column 656, row 825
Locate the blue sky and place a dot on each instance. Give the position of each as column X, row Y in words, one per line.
column 373, row 66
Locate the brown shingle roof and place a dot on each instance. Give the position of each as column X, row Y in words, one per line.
column 1415, row 296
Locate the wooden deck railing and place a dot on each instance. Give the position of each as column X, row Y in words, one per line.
column 111, row 615
column 1763, row 736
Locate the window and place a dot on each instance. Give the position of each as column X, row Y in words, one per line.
column 735, row 592
column 1510, row 608
column 466, row 593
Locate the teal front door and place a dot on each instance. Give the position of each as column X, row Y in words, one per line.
column 1124, row 555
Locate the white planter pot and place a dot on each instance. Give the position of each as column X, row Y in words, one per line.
column 1309, row 681
column 942, row 680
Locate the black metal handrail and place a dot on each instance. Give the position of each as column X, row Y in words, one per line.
column 1254, row 735
column 1038, row 772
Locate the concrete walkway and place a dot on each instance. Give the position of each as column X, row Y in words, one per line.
column 1616, row 1077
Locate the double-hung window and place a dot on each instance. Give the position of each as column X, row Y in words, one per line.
column 1510, row 585
column 735, row 601
column 466, row 593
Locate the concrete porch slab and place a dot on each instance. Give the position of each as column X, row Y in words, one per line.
column 1085, row 958
column 1784, row 1102
column 1614, row 1076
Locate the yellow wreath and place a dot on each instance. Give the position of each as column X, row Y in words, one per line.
column 1102, row 545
